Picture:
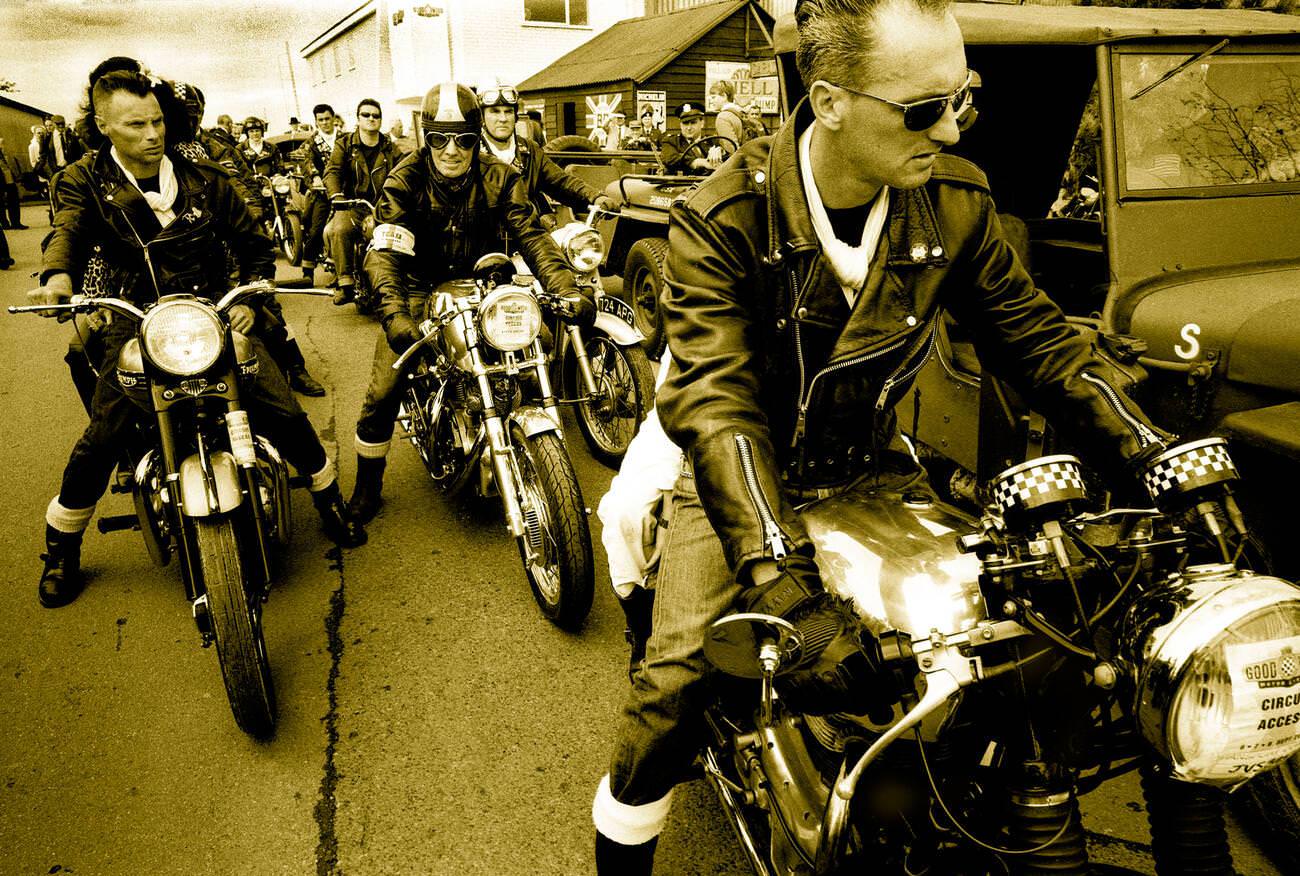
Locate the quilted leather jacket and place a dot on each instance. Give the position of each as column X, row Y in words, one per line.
column 777, row 385
column 100, row 213
column 445, row 248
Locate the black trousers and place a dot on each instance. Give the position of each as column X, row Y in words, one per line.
column 270, row 403
column 314, row 217
column 13, row 206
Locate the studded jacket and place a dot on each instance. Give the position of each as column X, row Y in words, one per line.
column 446, row 248
column 99, row 213
column 777, row 385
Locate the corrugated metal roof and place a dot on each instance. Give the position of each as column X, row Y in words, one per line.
column 635, row 48
column 997, row 23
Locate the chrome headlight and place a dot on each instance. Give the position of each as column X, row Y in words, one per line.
column 266, row 191
column 183, row 337
column 582, row 246
column 510, row 318
column 281, row 185
column 1217, row 653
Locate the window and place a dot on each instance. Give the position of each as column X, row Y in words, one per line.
column 556, row 11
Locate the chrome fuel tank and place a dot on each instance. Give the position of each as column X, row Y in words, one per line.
column 895, row 557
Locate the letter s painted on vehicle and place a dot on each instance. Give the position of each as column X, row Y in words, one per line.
column 1189, row 334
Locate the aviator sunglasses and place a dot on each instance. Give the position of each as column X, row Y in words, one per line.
column 369, row 116
column 437, row 140
column 921, row 115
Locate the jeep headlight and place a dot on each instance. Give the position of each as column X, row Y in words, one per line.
column 183, row 337
column 281, row 185
column 582, row 246
column 1218, row 659
column 510, row 318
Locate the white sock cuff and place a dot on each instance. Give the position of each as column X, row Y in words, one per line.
column 628, row 825
column 68, row 520
column 366, row 450
column 323, row 478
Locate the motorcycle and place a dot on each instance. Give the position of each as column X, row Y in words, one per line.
column 466, row 414
column 283, row 226
column 364, row 296
column 207, row 488
column 604, row 371
column 1036, row 652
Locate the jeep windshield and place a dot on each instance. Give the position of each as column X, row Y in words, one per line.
column 1227, row 120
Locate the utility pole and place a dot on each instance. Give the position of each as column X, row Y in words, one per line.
column 293, row 82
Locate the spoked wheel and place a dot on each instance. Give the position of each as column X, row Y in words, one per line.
column 291, row 242
column 236, row 627
column 625, row 388
column 556, row 544
column 643, row 284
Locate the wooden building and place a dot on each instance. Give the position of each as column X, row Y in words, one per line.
column 659, row 62
column 16, row 120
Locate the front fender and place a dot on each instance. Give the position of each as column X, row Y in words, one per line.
column 534, row 421
column 619, row 331
column 195, row 500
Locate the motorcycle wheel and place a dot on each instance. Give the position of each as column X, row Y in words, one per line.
column 291, row 243
column 627, row 385
column 236, row 628
column 555, row 524
column 643, row 284
column 1269, row 807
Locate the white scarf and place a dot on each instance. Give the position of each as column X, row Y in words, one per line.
column 507, row 154
column 850, row 263
column 162, row 200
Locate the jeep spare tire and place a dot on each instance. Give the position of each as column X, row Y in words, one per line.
column 643, row 287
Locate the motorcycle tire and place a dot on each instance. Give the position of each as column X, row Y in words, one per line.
column 643, row 287
column 555, row 521
column 626, row 382
column 1269, row 808
column 291, row 243
column 236, row 628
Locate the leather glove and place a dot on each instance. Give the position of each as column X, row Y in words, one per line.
column 402, row 333
column 839, row 667
column 606, row 203
column 576, row 308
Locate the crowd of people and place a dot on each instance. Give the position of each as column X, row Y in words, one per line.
column 774, row 273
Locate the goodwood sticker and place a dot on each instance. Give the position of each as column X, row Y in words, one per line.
column 1265, row 712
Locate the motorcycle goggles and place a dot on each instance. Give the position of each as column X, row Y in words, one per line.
column 437, row 140
column 503, row 96
column 922, row 115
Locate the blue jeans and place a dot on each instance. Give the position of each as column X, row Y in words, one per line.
column 662, row 726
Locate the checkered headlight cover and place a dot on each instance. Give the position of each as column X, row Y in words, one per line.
column 1038, row 483
column 1189, row 467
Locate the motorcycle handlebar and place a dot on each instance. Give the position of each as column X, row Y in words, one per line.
column 342, row 203
column 78, row 304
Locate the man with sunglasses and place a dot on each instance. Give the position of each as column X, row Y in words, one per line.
column 541, row 175
column 441, row 209
column 358, row 167
column 805, row 281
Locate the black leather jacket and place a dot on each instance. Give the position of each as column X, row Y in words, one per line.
column 347, row 174
column 267, row 162
column 776, row 384
column 498, row 208
column 544, row 177
column 99, row 212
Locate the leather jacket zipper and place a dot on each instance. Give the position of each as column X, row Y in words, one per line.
column 771, row 530
column 144, row 248
column 1145, row 437
column 904, row 373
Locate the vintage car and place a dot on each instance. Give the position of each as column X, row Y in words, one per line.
column 1146, row 162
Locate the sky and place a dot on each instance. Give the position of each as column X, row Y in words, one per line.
column 234, row 50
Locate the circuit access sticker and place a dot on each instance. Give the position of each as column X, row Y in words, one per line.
column 1265, row 703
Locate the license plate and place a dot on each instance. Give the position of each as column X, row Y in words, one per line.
column 616, row 307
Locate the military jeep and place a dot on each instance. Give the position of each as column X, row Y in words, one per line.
column 1146, row 165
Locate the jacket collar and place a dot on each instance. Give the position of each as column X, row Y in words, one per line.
column 912, row 229
column 116, row 189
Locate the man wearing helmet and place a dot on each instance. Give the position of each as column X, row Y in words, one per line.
column 541, row 175
column 441, row 209
column 260, row 155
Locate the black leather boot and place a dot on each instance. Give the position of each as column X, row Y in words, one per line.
column 367, row 496
column 301, row 381
column 343, row 294
column 340, row 526
column 638, row 608
column 616, row 859
column 61, row 581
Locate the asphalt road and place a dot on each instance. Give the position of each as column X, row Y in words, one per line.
column 430, row 721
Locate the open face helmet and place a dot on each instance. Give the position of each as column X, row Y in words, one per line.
column 450, row 108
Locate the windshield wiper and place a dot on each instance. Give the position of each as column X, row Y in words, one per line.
column 1214, row 49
